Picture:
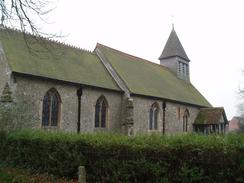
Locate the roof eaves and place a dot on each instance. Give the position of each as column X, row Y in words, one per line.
column 170, row 100
column 60, row 80
column 186, row 59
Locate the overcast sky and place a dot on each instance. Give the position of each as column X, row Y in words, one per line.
column 211, row 32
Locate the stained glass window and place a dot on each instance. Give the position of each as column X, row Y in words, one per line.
column 156, row 118
column 55, row 107
column 153, row 117
column 97, row 112
column 45, row 110
column 185, row 120
column 101, row 112
column 51, row 108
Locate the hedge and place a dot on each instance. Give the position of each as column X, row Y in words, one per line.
column 116, row 158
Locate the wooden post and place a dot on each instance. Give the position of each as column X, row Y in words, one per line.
column 82, row 174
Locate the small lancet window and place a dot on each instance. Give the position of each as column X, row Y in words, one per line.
column 185, row 120
column 51, row 108
column 101, row 112
column 153, row 117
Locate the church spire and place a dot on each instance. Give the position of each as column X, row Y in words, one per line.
column 173, row 47
column 174, row 57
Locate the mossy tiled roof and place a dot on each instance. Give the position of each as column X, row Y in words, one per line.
column 210, row 116
column 146, row 78
column 74, row 65
column 55, row 61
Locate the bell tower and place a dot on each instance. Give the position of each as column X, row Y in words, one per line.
column 174, row 57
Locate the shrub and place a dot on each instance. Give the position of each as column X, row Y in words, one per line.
column 116, row 158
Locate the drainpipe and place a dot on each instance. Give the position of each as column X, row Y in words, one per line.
column 164, row 106
column 79, row 94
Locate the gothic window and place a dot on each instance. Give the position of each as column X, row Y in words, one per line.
column 51, row 108
column 185, row 120
column 101, row 112
column 153, row 117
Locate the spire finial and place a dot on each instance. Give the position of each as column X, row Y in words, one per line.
column 172, row 16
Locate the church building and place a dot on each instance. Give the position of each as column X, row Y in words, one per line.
column 106, row 90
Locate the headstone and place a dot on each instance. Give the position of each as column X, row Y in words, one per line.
column 82, row 174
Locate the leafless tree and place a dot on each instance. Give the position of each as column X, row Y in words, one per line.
column 241, row 104
column 24, row 14
column 241, row 100
column 28, row 16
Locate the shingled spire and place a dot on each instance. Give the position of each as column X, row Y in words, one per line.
column 174, row 57
column 173, row 48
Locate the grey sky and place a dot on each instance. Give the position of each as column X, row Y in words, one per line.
column 211, row 32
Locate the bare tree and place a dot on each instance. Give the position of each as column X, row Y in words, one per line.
column 24, row 14
column 28, row 16
column 241, row 101
column 241, row 104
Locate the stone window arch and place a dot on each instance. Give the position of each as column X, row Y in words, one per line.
column 51, row 106
column 185, row 120
column 101, row 112
column 153, row 116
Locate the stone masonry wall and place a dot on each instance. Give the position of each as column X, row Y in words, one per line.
column 141, row 114
column 31, row 90
column 88, row 102
column 4, row 70
column 173, row 122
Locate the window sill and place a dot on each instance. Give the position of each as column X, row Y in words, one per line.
column 50, row 128
column 99, row 129
column 154, row 131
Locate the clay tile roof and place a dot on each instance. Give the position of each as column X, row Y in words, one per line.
column 59, row 61
column 150, row 79
column 214, row 115
column 173, row 48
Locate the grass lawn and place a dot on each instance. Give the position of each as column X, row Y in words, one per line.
column 10, row 175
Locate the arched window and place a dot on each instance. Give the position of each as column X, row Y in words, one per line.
column 153, row 117
column 185, row 120
column 101, row 112
column 51, row 108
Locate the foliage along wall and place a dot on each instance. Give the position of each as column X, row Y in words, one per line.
column 115, row 158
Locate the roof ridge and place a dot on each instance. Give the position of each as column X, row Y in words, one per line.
column 42, row 38
column 132, row 56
